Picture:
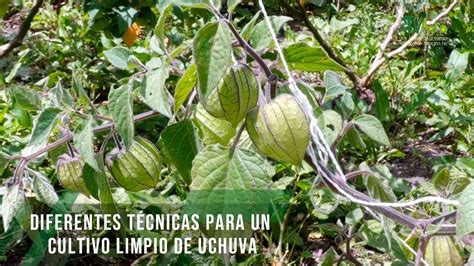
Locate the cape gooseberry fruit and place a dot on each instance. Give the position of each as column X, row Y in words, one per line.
column 69, row 172
column 234, row 96
column 279, row 129
column 138, row 168
column 441, row 251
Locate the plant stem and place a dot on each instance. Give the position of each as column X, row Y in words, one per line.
column 25, row 26
column 420, row 255
column 24, row 160
column 272, row 80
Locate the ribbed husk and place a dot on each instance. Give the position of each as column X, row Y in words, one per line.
column 138, row 168
column 279, row 129
column 235, row 95
column 441, row 251
column 69, row 172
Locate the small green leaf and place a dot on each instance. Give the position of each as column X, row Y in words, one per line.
column 118, row 56
column 196, row 3
column 3, row 8
column 153, row 90
column 232, row 4
column 26, row 98
column 212, row 130
column 354, row 217
column 382, row 103
column 179, row 146
column 303, row 57
column 261, row 37
column 44, row 190
column 84, row 143
column 331, row 123
column 43, row 125
column 4, row 161
column 457, row 64
column 465, row 224
column 12, row 202
column 372, row 127
column 212, row 50
column 246, row 31
column 160, row 26
column 378, row 189
column 373, row 234
column 185, row 85
column 441, row 179
column 89, row 176
column 334, row 85
column 121, row 109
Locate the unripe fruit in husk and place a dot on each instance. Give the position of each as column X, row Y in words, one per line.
column 69, row 172
column 138, row 168
column 441, row 251
column 279, row 129
column 235, row 95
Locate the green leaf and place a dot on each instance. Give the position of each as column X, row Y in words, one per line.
column 44, row 190
column 4, row 161
column 212, row 130
column 3, row 8
column 441, row 179
column 354, row 138
column 106, row 199
column 214, row 169
column 378, row 189
column 118, row 56
column 212, row 50
column 26, row 98
column 373, row 234
column 372, row 127
column 160, row 26
column 232, row 4
column 12, row 202
column 354, row 216
column 121, row 109
column 246, row 31
column 43, row 125
column 154, row 92
column 457, row 64
column 84, row 143
column 382, row 104
column 89, row 176
column 179, row 146
column 331, row 123
column 196, row 3
column 261, row 37
column 185, row 85
column 465, row 224
column 329, row 257
column 303, row 57
column 334, row 85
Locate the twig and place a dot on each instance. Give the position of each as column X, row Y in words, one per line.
column 396, row 25
column 345, row 128
column 25, row 26
column 358, row 173
column 25, row 159
column 330, row 52
column 420, row 255
column 379, row 60
column 384, row 209
column 270, row 76
column 236, row 139
column 349, row 254
column 442, row 14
